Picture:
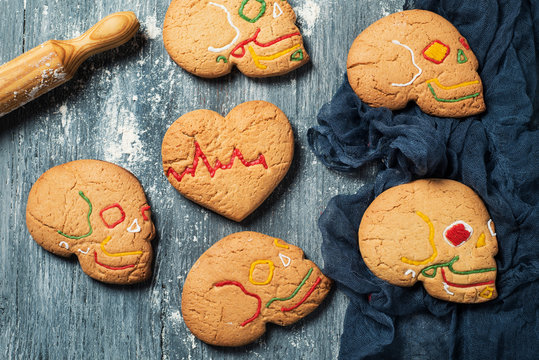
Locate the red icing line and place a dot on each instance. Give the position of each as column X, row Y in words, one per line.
column 457, row 234
column 305, row 297
column 111, row 267
column 143, row 210
column 117, row 222
column 218, row 165
column 464, row 43
column 431, row 59
column 254, row 39
column 465, row 285
column 235, row 283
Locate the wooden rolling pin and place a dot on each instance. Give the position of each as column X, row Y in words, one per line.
column 55, row 62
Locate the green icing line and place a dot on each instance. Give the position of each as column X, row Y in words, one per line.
column 451, row 100
column 449, row 265
column 221, row 57
column 295, row 291
column 461, row 57
column 89, row 224
column 297, row 55
column 260, row 13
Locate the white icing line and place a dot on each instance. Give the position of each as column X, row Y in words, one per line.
column 84, row 252
column 66, row 245
column 410, row 271
column 446, row 288
column 229, row 18
column 283, row 257
column 132, row 228
column 275, row 7
column 490, row 228
column 413, row 61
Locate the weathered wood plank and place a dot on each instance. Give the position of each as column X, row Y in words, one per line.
column 118, row 108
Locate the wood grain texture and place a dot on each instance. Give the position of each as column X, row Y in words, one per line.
column 117, row 108
column 54, row 62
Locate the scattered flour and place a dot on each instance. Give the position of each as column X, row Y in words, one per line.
column 121, row 131
column 307, row 13
column 176, row 317
column 151, row 29
column 63, row 111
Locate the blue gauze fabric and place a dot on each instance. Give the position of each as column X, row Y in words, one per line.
column 495, row 153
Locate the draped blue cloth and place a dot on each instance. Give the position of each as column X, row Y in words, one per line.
column 495, row 153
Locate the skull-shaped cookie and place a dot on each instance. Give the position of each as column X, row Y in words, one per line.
column 416, row 55
column 434, row 231
column 97, row 211
column 246, row 280
column 208, row 37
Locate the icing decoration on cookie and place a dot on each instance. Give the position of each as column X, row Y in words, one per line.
column 283, row 309
column 119, row 221
column 437, row 82
column 84, row 252
column 449, row 265
column 419, row 70
column 431, row 242
column 222, row 58
column 446, row 288
column 81, row 194
column 464, row 43
column 107, row 239
column 218, row 165
column 481, row 241
column 464, row 285
column 143, row 212
column 235, row 283
column 270, row 274
column 487, row 292
column 410, row 271
column 436, row 52
column 461, row 57
column 254, row 39
column 64, row 244
column 489, row 225
column 285, row 260
column 297, row 55
column 111, row 267
column 276, row 243
column 277, row 11
column 257, row 58
column 294, row 293
column 134, row 227
column 229, row 18
column 260, row 13
column 457, row 233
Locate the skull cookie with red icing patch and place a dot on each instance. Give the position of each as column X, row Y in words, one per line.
column 434, row 231
column 246, row 280
column 416, row 55
column 229, row 164
column 209, row 37
column 97, row 211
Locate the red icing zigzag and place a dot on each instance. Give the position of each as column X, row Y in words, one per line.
column 218, row 165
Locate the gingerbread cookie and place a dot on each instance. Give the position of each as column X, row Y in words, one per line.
column 207, row 38
column 435, row 231
column 246, row 280
column 416, row 55
column 229, row 164
column 97, row 211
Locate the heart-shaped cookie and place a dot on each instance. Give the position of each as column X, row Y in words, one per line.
column 229, row 164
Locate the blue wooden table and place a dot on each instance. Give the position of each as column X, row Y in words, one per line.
column 118, row 108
